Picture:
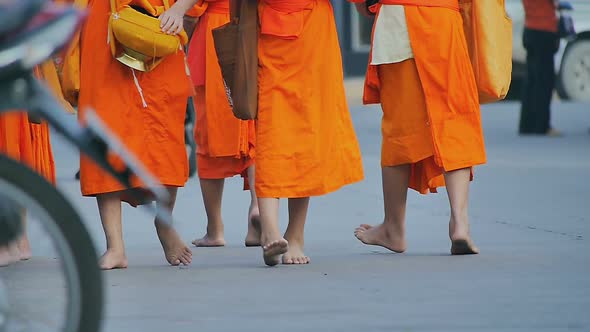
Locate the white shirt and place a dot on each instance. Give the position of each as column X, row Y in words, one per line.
column 391, row 41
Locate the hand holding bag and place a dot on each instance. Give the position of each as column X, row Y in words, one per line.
column 137, row 40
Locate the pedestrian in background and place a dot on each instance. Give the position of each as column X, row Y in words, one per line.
column 541, row 42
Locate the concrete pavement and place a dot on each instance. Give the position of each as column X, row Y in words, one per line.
column 530, row 212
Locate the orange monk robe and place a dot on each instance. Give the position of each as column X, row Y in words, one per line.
column 145, row 110
column 225, row 144
column 306, row 144
column 28, row 142
column 43, row 161
column 15, row 137
column 42, row 155
column 450, row 99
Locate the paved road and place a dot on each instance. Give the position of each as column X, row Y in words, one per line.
column 530, row 213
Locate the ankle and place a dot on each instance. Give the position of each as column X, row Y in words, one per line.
column 215, row 229
column 459, row 229
column 268, row 236
column 253, row 207
column 394, row 224
column 459, row 216
column 115, row 250
column 295, row 239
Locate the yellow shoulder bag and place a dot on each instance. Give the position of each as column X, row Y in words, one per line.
column 137, row 40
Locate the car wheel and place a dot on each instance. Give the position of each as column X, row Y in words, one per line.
column 574, row 76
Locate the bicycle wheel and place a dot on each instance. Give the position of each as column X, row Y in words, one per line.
column 83, row 287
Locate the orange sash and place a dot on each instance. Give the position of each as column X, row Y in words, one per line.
column 284, row 18
column 451, row 4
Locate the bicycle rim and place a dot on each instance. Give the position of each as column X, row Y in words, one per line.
column 57, row 218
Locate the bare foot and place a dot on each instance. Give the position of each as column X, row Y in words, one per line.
column 175, row 250
column 463, row 247
column 8, row 255
column 24, row 248
column 381, row 236
column 295, row 255
column 207, row 241
column 113, row 259
column 461, row 243
column 272, row 251
column 253, row 236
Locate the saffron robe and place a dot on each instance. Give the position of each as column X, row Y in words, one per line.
column 305, row 140
column 225, row 144
column 451, row 102
column 146, row 111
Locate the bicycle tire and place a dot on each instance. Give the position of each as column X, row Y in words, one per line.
column 73, row 231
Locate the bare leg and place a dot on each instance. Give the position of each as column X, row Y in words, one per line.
column 175, row 250
column 253, row 236
column 24, row 247
column 212, row 190
column 273, row 244
column 9, row 255
column 295, row 231
column 458, row 190
column 109, row 207
column 391, row 233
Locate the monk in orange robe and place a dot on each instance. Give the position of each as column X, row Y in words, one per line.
column 225, row 144
column 420, row 73
column 146, row 110
column 15, row 142
column 30, row 144
column 305, row 142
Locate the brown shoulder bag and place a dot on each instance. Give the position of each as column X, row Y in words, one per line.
column 236, row 44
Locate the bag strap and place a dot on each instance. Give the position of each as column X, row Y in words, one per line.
column 234, row 10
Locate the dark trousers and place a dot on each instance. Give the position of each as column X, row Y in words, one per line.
column 539, row 82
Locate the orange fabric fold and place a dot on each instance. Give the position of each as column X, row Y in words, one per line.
column 146, row 111
column 47, row 72
column 284, row 18
column 218, row 7
column 405, row 129
column 198, row 9
column 43, row 161
column 15, row 137
column 305, row 142
column 68, row 62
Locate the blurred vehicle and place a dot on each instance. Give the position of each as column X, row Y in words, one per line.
column 572, row 61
